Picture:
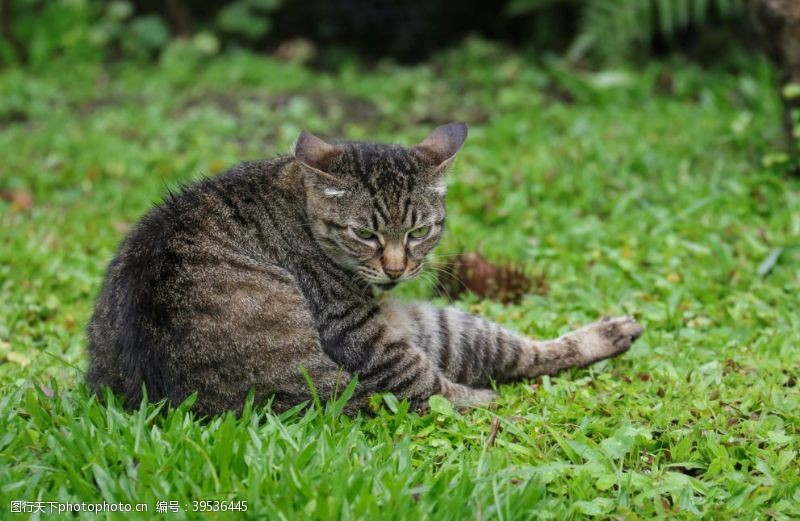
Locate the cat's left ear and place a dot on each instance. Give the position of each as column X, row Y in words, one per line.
column 443, row 143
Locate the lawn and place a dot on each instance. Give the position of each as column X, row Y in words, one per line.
column 636, row 191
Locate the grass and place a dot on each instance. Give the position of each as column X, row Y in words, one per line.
column 625, row 191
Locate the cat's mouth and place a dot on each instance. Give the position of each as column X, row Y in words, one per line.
column 383, row 282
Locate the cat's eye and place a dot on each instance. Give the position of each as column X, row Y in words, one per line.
column 365, row 234
column 420, row 233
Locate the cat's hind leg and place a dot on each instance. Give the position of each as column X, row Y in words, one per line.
column 247, row 327
column 473, row 351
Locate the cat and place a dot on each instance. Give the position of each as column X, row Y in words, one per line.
column 273, row 271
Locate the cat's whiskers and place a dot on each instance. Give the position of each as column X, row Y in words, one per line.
column 427, row 279
column 446, row 272
column 413, row 273
column 444, row 255
column 359, row 283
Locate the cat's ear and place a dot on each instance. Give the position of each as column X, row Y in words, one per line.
column 312, row 151
column 443, row 143
column 315, row 154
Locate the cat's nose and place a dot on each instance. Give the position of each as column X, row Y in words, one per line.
column 393, row 273
column 394, row 260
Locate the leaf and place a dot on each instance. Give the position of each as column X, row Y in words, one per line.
column 150, row 31
column 391, row 402
column 686, row 501
column 337, row 405
column 772, row 259
column 587, row 452
column 674, row 482
column 548, row 473
column 237, row 18
column 779, row 437
column 441, row 405
column 791, row 91
column 785, row 459
column 597, row 507
column 605, row 482
column 611, row 79
column 623, row 441
column 207, row 43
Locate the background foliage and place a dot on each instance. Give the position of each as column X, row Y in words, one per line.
column 604, row 30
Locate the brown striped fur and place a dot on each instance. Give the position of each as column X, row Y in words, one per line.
column 241, row 280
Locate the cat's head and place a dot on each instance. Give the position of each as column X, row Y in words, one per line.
column 378, row 209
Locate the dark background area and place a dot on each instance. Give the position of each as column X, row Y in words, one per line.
column 590, row 31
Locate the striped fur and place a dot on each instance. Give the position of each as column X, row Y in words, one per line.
column 241, row 281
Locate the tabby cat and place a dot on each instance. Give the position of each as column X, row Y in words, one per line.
column 240, row 280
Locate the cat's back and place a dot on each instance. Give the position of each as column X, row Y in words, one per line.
column 177, row 249
column 209, row 218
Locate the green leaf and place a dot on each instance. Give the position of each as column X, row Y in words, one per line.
column 622, row 441
column 605, row 482
column 238, row 18
column 441, row 405
column 597, row 507
column 779, row 437
column 791, row 90
column 150, row 31
column 391, row 402
column 767, row 264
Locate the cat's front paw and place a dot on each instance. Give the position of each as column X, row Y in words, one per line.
column 609, row 337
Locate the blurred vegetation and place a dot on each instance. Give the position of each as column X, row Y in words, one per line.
column 618, row 30
column 331, row 34
column 39, row 30
column 788, row 159
column 602, row 31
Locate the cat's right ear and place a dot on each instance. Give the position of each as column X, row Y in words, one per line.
column 315, row 155
column 312, row 151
